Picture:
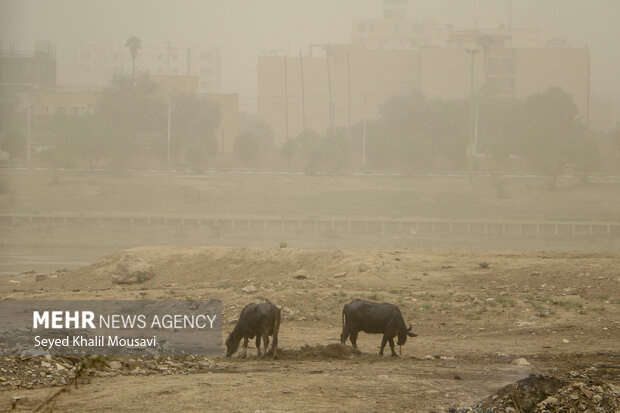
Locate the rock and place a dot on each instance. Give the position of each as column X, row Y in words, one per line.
column 40, row 277
column 115, row 365
column 301, row 275
column 132, row 269
column 283, row 245
column 362, row 267
column 248, row 289
column 521, row 362
column 32, row 352
column 565, row 341
column 340, row 275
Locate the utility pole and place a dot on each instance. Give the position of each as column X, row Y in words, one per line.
column 286, row 96
column 349, row 92
column 28, row 133
column 329, row 87
column 364, row 136
column 169, row 118
column 303, row 94
column 470, row 145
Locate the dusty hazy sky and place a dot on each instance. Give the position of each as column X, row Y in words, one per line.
column 245, row 28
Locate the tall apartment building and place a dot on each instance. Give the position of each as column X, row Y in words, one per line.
column 396, row 55
column 94, row 64
column 395, row 30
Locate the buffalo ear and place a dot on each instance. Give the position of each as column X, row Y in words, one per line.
column 412, row 334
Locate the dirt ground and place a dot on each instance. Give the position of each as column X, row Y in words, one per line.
column 475, row 312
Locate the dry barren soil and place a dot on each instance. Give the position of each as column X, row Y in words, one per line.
column 476, row 312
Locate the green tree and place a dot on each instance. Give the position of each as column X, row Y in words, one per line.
column 551, row 132
column 309, row 149
column 12, row 137
column 134, row 45
column 78, row 139
column 247, row 146
column 127, row 108
column 288, row 150
column 334, row 151
column 194, row 122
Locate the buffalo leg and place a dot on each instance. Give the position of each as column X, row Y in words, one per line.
column 245, row 347
column 258, row 336
column 383, row 342
column 274, row 346
column 266, row 343
column 391, row 341
column 344, row 335
column 354, row 338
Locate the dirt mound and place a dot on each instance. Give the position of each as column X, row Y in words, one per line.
column 207, row 264
column 541, row 393
column 306, row 352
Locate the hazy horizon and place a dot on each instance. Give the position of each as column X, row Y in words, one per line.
column 244, row 29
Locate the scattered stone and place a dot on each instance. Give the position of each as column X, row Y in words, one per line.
column 565, row 341
column 521, row 362
column 115, row 365
column 340, row 275
column 248, row 289
column 283, row 245
column 301, row 275
column 362, row 267
column 40, row 277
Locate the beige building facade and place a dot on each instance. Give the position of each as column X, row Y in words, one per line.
column 93, row 64
column 350, row 83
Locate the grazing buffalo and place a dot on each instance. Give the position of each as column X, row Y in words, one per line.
column 374, row 318
column 260, row 320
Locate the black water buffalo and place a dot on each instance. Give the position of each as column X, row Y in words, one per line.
column 260, row 320
column 374, row 318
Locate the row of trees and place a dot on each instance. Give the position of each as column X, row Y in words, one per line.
column 414, row 132
column 411, row 132
column 131, row 124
